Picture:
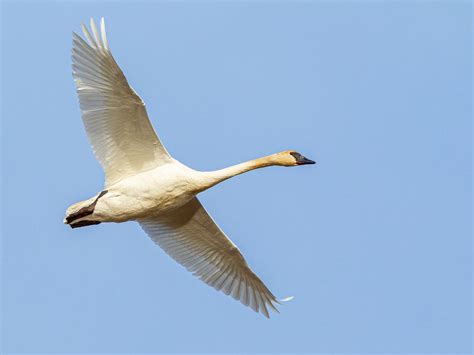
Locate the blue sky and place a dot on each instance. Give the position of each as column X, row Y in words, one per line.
column 374, row 242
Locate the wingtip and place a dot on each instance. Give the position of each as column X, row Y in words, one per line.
column 286, row 299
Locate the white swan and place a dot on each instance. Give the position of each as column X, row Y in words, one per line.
column 145, row 184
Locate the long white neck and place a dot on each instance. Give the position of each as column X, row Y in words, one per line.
column 211, row 178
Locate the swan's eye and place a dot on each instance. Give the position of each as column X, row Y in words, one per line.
column 296, row 155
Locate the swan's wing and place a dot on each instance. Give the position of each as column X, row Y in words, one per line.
column 114, row 116
column 193, row 239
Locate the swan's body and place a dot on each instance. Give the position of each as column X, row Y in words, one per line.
column 145, row 184
column 159, row 190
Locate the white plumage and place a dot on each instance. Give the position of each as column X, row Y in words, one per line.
column 145, row 184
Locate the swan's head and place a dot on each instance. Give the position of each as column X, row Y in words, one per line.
column 292, row 158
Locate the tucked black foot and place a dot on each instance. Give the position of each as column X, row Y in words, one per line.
column 84, row 211
column 84, row 223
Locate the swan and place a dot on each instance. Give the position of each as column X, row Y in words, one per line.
column 144, row 183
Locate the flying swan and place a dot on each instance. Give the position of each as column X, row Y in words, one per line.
column 144, row 183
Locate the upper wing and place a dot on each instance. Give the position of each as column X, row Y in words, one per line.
column 193, row 239
column 114, row 116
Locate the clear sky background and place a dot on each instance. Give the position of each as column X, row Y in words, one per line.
column 373, row 242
